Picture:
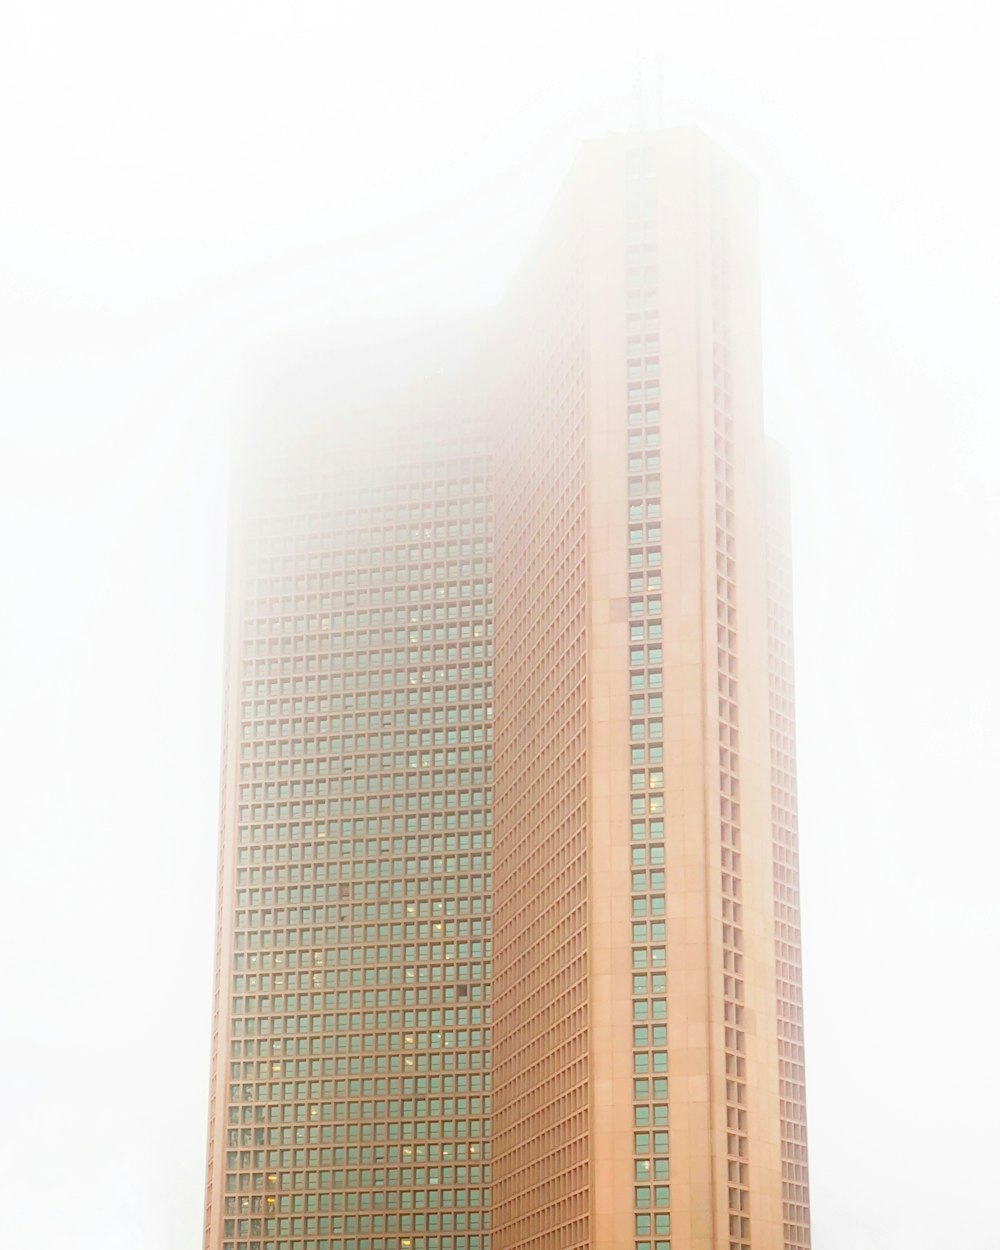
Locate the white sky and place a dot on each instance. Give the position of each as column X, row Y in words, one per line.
column 180, row 180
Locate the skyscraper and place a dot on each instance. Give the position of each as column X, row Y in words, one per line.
column 588, row 489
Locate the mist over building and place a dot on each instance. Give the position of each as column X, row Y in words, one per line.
column 508, row 944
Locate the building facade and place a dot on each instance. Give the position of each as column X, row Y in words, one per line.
column 508, row 929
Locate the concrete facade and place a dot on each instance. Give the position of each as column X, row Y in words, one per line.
column 556, row 588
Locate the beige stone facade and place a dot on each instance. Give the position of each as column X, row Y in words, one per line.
column 638, row 634
column 547, row 980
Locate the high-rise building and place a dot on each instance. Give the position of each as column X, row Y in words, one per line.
column 597, row 926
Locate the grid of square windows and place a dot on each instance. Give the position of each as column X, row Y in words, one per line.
column 355, row 1093
column 784, row 823
column 650, row 1110
column 737, row 1135
column 541, row 1049
column 353, row 1097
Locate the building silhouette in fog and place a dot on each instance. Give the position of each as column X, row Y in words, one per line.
column 508, row 924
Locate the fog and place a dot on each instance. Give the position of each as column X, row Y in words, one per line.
column 183, row 182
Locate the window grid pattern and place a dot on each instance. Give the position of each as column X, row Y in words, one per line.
column 357, row 1106
column 650, row 1111
column 728, row 719
column 784, row 822
column 541, row 1050
column 397, row 906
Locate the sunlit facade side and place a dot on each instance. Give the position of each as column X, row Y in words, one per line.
column 542, row 1120
column 644, row 1098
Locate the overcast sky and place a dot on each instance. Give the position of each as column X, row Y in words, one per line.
column 180, row 181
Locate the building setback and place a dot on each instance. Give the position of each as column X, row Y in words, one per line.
column 509, row 769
